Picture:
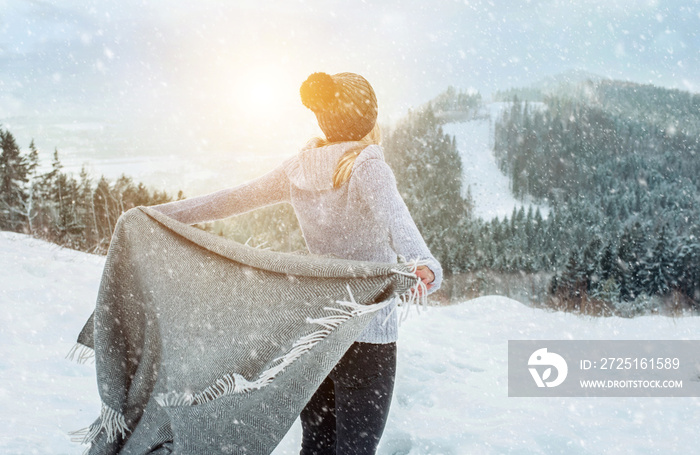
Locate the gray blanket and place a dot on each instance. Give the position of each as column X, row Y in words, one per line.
column 206, row 346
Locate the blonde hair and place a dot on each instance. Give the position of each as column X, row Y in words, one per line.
column 346, row 162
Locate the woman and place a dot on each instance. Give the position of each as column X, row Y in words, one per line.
column 348, row 206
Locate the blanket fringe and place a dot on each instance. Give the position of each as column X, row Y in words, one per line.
column 174, row 399
column 111, row 421
column 78, row 435
column 81, row 354
column 235, row 383
column 418, row 294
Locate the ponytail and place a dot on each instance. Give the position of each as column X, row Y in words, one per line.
column 346, row 162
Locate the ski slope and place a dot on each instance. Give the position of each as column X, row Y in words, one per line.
column 490, row 188
column 451, row 390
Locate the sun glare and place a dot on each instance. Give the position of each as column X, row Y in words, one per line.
column 258, row 93
column 260, row 96
column 265, row 100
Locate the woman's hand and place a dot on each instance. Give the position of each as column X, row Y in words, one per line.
column 426, row 276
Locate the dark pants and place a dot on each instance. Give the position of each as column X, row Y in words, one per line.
column 348, row 412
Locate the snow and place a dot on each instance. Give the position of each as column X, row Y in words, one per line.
column 46, row 292
column 490, row 188
column 451, row 391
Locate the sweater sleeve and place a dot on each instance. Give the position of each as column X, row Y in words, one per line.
column 378, row 189
column 268, row 189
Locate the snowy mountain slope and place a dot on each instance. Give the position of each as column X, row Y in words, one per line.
column 451, row 392
column 490, row 188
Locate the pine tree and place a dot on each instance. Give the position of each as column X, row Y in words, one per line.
column 607, row 262
column 659, row 276
column 102, row 203
column 573, row 279
column 608, row 292
column 591, row 263
column 14, row 176
column 32, row 160
column 32, row 205
column 688, row 254
column 87, row 210
column 629, row 273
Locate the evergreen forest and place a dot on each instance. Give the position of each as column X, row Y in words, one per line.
column 56, row 206
column 618, row 164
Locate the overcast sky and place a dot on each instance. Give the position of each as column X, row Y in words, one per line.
column 211, row 70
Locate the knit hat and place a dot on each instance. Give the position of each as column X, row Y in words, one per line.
column 345, row 105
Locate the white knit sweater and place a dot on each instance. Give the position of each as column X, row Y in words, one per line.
column 365, row 219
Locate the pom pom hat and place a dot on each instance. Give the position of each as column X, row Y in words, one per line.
column 345, row 105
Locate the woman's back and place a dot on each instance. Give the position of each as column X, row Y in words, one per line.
column 340, row 221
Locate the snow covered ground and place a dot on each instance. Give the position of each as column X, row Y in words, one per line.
column 45, row 292
column 489, row 186
column 451, row 392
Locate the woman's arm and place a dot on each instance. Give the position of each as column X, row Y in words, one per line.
column 390, row 211
column 268, row 189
